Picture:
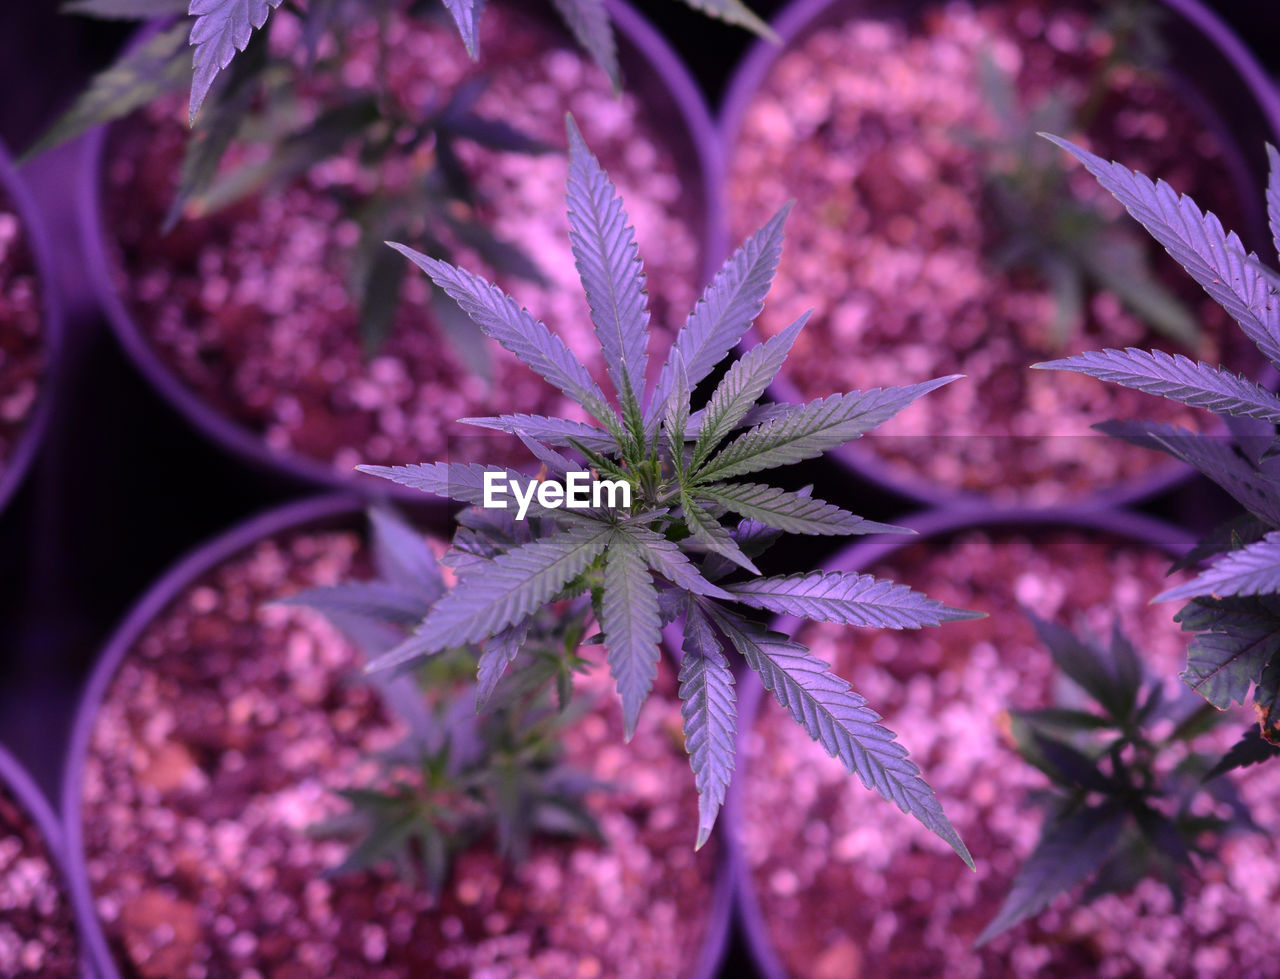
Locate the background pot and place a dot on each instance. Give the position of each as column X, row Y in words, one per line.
column 325, row 512
column 36, row 241
column 932, row 527
column 15, row 781
column 1231, row 97
column 651, row 70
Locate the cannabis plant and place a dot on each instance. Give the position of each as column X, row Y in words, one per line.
column 665, row 553
column 1040, row 225
column 1123, row 798
column 1234, row 603
column 457, row 778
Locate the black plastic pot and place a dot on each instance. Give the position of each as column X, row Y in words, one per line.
column 323, row 512
column 1211, row 71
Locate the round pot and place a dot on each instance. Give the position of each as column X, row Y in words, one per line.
column 18, row 785
column 319, row 515
column 660, row 82
column 1228, row 96
column 952, row 731
column 14, row 468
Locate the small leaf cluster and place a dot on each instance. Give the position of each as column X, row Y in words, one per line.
column 457, row 778
column 1041, row 225
column 671, row 555
column 1129, row 796
column 1233, row 604
column 257, row 100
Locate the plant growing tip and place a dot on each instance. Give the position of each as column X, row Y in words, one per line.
column 669, row 556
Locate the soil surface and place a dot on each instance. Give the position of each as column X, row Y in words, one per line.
column 251, row 307
column 870, row 124
column 37, row 923
column 223, row 738
column 852, row 887
column 22, row 356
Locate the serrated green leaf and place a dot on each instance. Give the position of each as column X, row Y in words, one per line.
column 459, row 481
column 503, row 320
column 1070, row 849
column 742, row 385
column 709, row 709
column 1252, row 570
column 1273, row 196
column 711, row 534
column 815, row 428
column 839, row 720
column 509, row 588
column 1237, row 638
column 499, row 652
column 608, row 262
column 135, row 79
column 1177, row 378
column 791, row 512
column 221, row 28
column 734, row 12
column 847, row 598
column 588, row 20
column 1229, row 536
column 630, row 622
column 666, row 558
column 551, row 431
column 730, row 303
column 1113, row 685
column 1251, row 749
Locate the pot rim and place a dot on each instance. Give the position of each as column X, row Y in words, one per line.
column 793, row 23
column 153, row 602
column 638, row 41
column 35, row 805
column 1135, row 527
column 35, row 236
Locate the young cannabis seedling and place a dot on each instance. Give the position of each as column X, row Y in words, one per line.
column 668, row 555
column 1043, row 227
column 457, row 778
column 1234, row 604
column 1125, row 781
column 257, row 101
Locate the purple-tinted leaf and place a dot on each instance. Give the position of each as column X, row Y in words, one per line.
column 1244, row 529
column 499, row 651
column 1252, row 570
column 791, row 512
column 403, row 557
column 847, row 598
column 734, row 12
column 136, row 78
column 556, row 465
column 589, row 22
column 1273, row 196
column 508, row 588
column 503, row 320
column 1113, row 685
column 1215, row 259
column 666, row 558
column 1254, row 490
column 710, row 711
column 711, row 534
column 1249, row 750
column 222, row 28
column 126, row 9
column 1235, row 639
column 815, row 428
column 1266, row 702
column 1069, row 851
column 608, row 262
column 756, row 416
column 1177, row 378
column 839, row 720
column 552, row 431
column 631, row 625
column 675, row 415
column 459, row 481
column 374, row 614
column 741, row 387
column 727, row 308
column 466, row 14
